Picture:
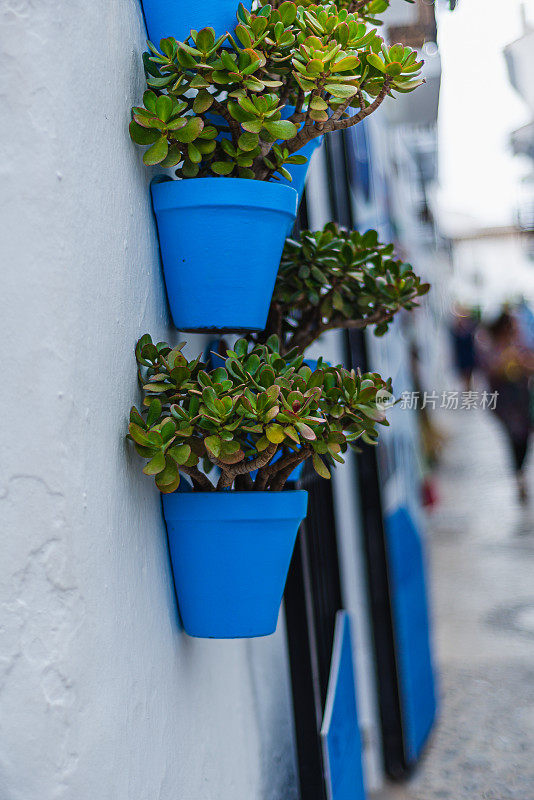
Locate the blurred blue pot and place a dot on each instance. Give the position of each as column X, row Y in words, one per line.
column 221, row 240
column 178, row 17
column 230, row 555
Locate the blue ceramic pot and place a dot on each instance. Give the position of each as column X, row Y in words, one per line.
column 221, row 240
column 230, row 555
column 177, row 17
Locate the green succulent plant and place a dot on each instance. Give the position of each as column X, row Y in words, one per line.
column 368, row 10
column 216, row 106
column 333, row 279
column 260, row 413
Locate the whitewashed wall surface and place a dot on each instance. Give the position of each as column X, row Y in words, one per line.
column 101, row 694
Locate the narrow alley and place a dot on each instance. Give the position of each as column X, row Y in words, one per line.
column 481, row 548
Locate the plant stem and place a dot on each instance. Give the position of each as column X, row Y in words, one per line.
column 229, row 472
column 279, row 479
column 309, row 132
column 235, row 128
column 289, row 462
column 200, row 480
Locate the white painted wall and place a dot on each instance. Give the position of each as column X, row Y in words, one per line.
column 101, row 695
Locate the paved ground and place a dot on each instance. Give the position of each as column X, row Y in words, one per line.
column 482, row 556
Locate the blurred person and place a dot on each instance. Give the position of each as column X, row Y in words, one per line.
column 508, row 365
column 525, row 320
column 462, row 330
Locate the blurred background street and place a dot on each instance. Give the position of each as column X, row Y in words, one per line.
column 481, row 546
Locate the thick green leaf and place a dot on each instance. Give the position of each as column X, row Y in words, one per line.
column 156, row 153
column 222, row 167
column 396, row 53
column 394, row 68
column 376, row 62
column 194, row 153
column 202, row 102
column 154, row 412
column 318, row 103
column 149, row 99
column 305, row 431
column 168, row 431
column 248, row 141
column 146, row 119
column 189, row 170
column 281, row 129
column 253, row 125
column 136, row 418
column 345, row 64
column 174, row 156
column 155, row 465
column 341, row 90
column 288, row 13
column 243, row 35
column 164, row 107
column 213, row 444
column 275, row 433
column 180, row 453
column 407, row 86
column 205, row 39
column 168, row 475
column 143, row 135
column 320, row 467
column 167, row 488
column 138, row 434
column 190, row 132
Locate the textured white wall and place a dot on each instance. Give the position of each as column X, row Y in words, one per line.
column 101, row 695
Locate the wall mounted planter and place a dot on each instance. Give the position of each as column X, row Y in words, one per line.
column 178, row 17
column 221, row 240
column 230, row 555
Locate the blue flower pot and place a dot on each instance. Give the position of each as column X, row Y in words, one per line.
column 230, row 555
column 178, row 17
column 221, row 240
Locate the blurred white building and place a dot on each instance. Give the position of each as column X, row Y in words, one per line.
column 491, row 266
column 519, row 56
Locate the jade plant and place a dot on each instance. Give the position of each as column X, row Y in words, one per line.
column 254, row 419
column 244, row 104
column 334, row 278
column 368, row 10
